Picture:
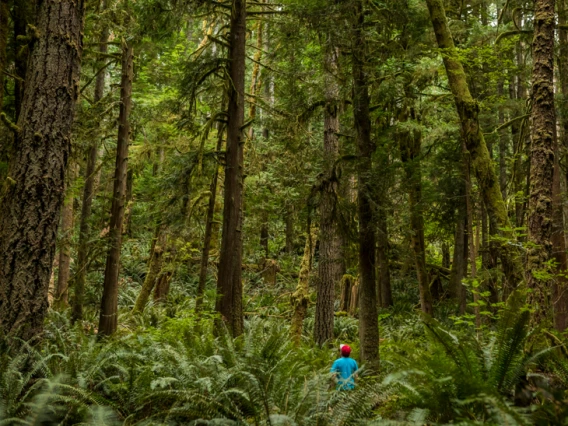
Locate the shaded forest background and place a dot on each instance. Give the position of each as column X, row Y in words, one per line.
column 201, row 199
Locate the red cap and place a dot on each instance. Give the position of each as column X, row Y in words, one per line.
column 345, row 350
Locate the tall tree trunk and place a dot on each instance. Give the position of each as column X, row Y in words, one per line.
column 108, row 320
column 410, row 152
column 329, row 266
column 468, row 111
column 471, row 239
column 383, row 265
column 31, row 205
column 88, row 192
column 208, row 226
column 62, row 288
column 368, row 320
column 229, row 284
column 543, row 141
column 301, row 297
column 457, row 272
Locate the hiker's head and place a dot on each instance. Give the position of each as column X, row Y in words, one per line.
column 345, row 350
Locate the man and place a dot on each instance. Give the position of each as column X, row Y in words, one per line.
column 344, row 369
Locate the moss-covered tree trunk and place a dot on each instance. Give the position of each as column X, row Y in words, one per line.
column 543, row 140
column 329, row 266
column 410, row 152
column 88, row 193
column 481, row 163
column 301, row 297
column 154, row 268
column 108, row 320
column 368, row 321
column 229, row 283
column 31, row 204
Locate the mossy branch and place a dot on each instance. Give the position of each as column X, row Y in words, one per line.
column 9, row 123
column 511, row 33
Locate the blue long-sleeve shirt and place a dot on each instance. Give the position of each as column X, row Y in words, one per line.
column 345, row 368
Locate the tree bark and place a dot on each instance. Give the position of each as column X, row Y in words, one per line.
column 468, row 111
column 289, row 220
column 301, row 297
column 88, row 192
column 410, row 152
column 458, row 269
column 229, row 284
column 31, row 204
column 62, row 288
column 329, row 266
column 543, row 141
column 383, row 264
column 108, row 320
column 208, row 227
column 368, row 320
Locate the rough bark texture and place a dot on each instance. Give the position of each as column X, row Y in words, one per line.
column 329, row 266
column 383, row 265
column 208, row 227
column 347, row 282
column 62, row 288
column 108, row 321
column 543, row 140
column 368, row 320
column 229, row 284
column 88, row 192
column 301, row 297
column 468, row 111
column 31, row 204
column 410, row 147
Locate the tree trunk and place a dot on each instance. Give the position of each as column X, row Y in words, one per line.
column 347, row 282
column 457, row 272
column 162, row 287
column 368, row 320
column 471, row 240
column 108, row 321
column 289, row 219
column 31, row 206
column 383, row 265
column 543, row 141
column 229, row 284
column 410, row 152
column 329, row 266
column 62, row 289
column 208, row 227
column 301, row 297
column 468, row 111
column 88, row 192
column 154, row 268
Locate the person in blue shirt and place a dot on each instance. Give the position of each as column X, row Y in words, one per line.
column 345, row 369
